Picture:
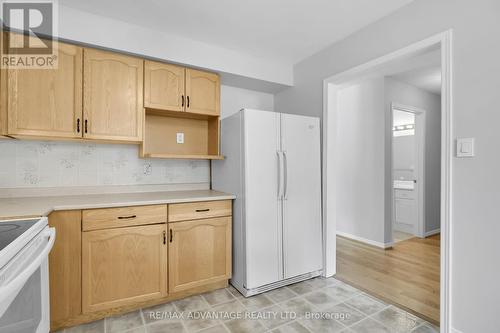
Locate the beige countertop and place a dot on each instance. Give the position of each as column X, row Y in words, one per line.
column 42, row 206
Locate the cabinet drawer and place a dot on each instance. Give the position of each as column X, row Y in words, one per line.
column 198, row 210
column 95, row 219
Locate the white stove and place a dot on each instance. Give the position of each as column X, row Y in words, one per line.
column 24, row 282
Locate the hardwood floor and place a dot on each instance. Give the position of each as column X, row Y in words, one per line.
column 406, row 275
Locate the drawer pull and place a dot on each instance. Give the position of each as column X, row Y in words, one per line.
column 203, row 210
column 127, row 217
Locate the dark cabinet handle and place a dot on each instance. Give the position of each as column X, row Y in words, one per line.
column 86, row 125
column 171, row 235
column 188, row 101
column 164, row 237
column 202, row 210
column 182, row 98
column 78, row 125
column 127, row 217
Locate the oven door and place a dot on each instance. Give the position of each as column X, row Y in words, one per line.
column 24, row 288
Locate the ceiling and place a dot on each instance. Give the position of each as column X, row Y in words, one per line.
column 428, row 78
column 288, row 30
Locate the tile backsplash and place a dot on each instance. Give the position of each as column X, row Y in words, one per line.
column 53, row 164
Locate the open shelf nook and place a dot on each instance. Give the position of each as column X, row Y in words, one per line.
column 180, row 135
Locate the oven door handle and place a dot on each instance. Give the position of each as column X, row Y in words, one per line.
column 22, row 277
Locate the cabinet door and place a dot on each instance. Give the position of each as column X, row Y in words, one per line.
column 112, row 96
column 123, row 266
column 163, row 86
column 405, row 215
column 47, row 102
column 203, row 92
column 65, row 261
column 199, row 253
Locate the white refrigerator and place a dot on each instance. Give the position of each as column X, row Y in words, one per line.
column 273, row 165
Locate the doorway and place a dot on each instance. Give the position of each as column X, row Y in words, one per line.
column 408, row 172
column 331, row 155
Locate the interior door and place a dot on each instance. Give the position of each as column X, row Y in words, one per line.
column 262, row 208
column 302, row 240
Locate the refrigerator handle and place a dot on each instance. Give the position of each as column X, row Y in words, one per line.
column 280, row 174
column 285, row 176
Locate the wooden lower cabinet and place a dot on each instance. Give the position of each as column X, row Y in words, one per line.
column 199, row 252
column 101, row 267
column 123, row 266
column 65, row 262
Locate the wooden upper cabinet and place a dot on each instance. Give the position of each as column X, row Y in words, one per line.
column 202, row 92
column 163, row 86
column 112, row 96
column 199, row 253
column 123, row 266
column 46, row 102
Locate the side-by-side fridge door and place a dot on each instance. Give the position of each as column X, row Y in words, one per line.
column 262, row 205
column 302, row 236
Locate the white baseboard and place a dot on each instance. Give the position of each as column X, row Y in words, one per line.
column 365, row 240
column 432, row 232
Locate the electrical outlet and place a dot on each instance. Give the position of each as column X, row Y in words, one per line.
column 180, row 137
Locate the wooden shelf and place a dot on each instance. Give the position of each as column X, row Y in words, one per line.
column 179, row 114
column 201, row 135
column 190, row 157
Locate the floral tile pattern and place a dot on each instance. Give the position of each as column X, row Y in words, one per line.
column 55, row 164
column 313, row 307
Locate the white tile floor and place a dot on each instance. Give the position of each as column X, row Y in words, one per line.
column 313, row 306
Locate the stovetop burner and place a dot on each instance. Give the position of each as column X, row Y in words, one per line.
column 10, row 230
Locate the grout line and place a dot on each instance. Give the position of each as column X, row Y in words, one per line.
column 281, row 305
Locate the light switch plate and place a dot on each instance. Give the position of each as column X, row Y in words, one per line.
column 465, row 147
column 180, row 137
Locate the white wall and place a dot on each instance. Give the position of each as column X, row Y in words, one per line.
column 234, row 99
column 106, row 32
column 361, row 163
column 476, row 81
column 363, row 169
column 402, row 93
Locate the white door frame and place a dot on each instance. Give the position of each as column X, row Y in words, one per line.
column 444, row 41
column 420, row 122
